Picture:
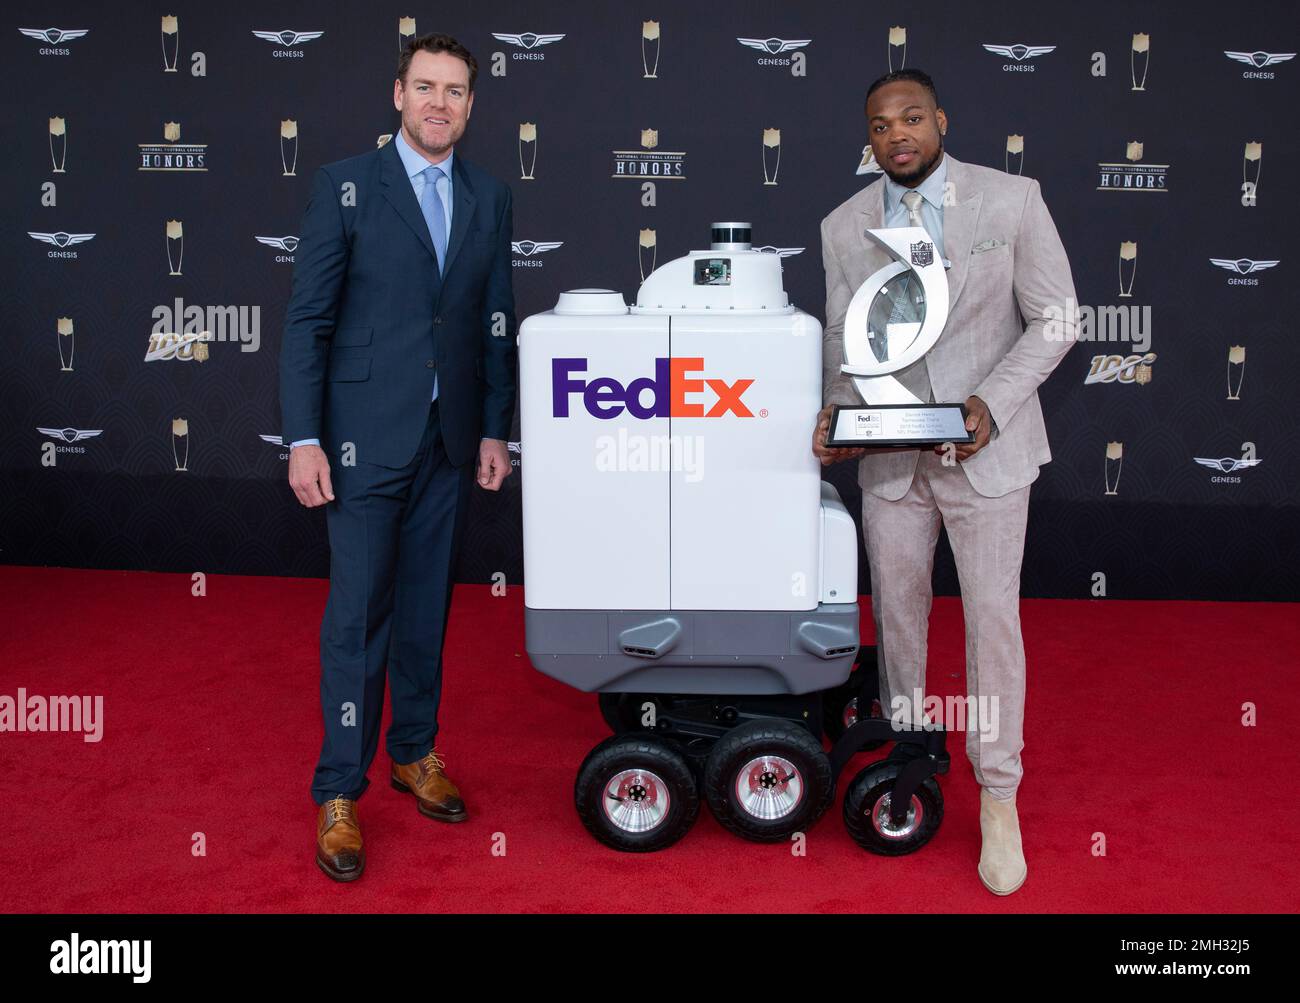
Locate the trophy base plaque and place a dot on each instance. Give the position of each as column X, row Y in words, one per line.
column 905, row 425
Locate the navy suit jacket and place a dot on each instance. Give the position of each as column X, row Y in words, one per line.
column 370, row 319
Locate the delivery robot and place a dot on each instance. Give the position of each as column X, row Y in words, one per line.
column 684, row 560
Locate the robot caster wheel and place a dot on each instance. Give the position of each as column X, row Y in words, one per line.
column 636, row 793
column 840, row 705
column 768, row 779
column 866, row 811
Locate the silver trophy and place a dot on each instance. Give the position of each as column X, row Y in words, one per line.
column 893, row 320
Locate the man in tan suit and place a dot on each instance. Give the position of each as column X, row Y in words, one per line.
column 1009, row 285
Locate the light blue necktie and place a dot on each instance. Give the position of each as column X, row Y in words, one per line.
column 435, row 216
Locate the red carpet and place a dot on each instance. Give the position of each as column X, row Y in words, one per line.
column 211, row 725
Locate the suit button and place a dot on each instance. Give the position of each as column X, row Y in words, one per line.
column 428, row 364
column 437, row 320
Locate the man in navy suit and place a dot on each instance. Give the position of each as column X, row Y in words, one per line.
column 397, row 379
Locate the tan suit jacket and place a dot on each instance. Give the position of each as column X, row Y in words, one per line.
column 1009, row 278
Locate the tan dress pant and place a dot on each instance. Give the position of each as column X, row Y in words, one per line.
column 988, row 541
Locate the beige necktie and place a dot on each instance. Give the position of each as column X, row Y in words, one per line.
column 912, row 200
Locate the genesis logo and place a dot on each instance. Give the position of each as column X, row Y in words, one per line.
column 62, row 241
column 780, row 252
column 1240, row 268
column 529, row 41
column 1018, row 53
column 55, row 37
column 71, row 434
column 1227, row 464
column 288, row 244
column 1257, row 61
column 287, row 40
column 777, row 52
column 529, row 249
column 774, row 46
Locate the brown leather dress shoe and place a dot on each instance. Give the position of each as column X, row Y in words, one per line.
column 436, row 796
column 338, row 840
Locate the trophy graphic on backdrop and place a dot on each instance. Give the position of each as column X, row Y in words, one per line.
column 771, row 152
column 647, row 251
column 1015, row 161
column 1114, row 463
column 175, row 245
column 527, row 137
column 66, row 344
column 181, row 443
column 1251, row 162
column 650, row 44
column 893, row 320
column 1128, row 264
column 289, row 146
column 897, row 48
column 405, row 31
column 171, row 42
column 58, row 144
column 1236, row 371
column 1140, row 56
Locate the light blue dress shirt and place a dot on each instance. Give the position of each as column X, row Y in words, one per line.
column 931, row 190
column 415, row 166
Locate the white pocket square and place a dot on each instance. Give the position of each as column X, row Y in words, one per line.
column 987, row 245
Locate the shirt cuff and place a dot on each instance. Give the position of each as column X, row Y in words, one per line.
column 304, row 442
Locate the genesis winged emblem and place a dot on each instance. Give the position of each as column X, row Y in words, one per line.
column 54, row 35
column 62, row 239
column 530, row 247
column 1242, row 266
column 526, row 40
column 1260, row 59
column 288, row 38
column 70, row 434
column 289, row 244
column 1226, row 465
column 1020, row 52
column 774, row 46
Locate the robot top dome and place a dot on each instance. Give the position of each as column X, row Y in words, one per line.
column 729, row 277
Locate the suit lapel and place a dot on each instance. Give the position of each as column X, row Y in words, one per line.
column 397, row 189
column 461, row 214
column 872, row 218
column 959, row 223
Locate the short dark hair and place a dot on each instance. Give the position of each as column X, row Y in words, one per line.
column 436, row 43
column 910, row 76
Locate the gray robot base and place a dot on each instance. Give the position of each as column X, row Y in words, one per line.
column 758, row 761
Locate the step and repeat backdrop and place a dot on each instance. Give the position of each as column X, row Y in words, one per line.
column 160, row 158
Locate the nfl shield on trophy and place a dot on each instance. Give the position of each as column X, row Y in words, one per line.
column 893, row 320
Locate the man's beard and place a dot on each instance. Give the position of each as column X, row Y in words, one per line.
column 414, row 127
column 916, row 175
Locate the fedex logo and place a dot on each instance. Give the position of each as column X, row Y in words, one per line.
column 674, row 391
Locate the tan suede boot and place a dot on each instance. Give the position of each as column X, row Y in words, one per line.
column 1002, row 860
